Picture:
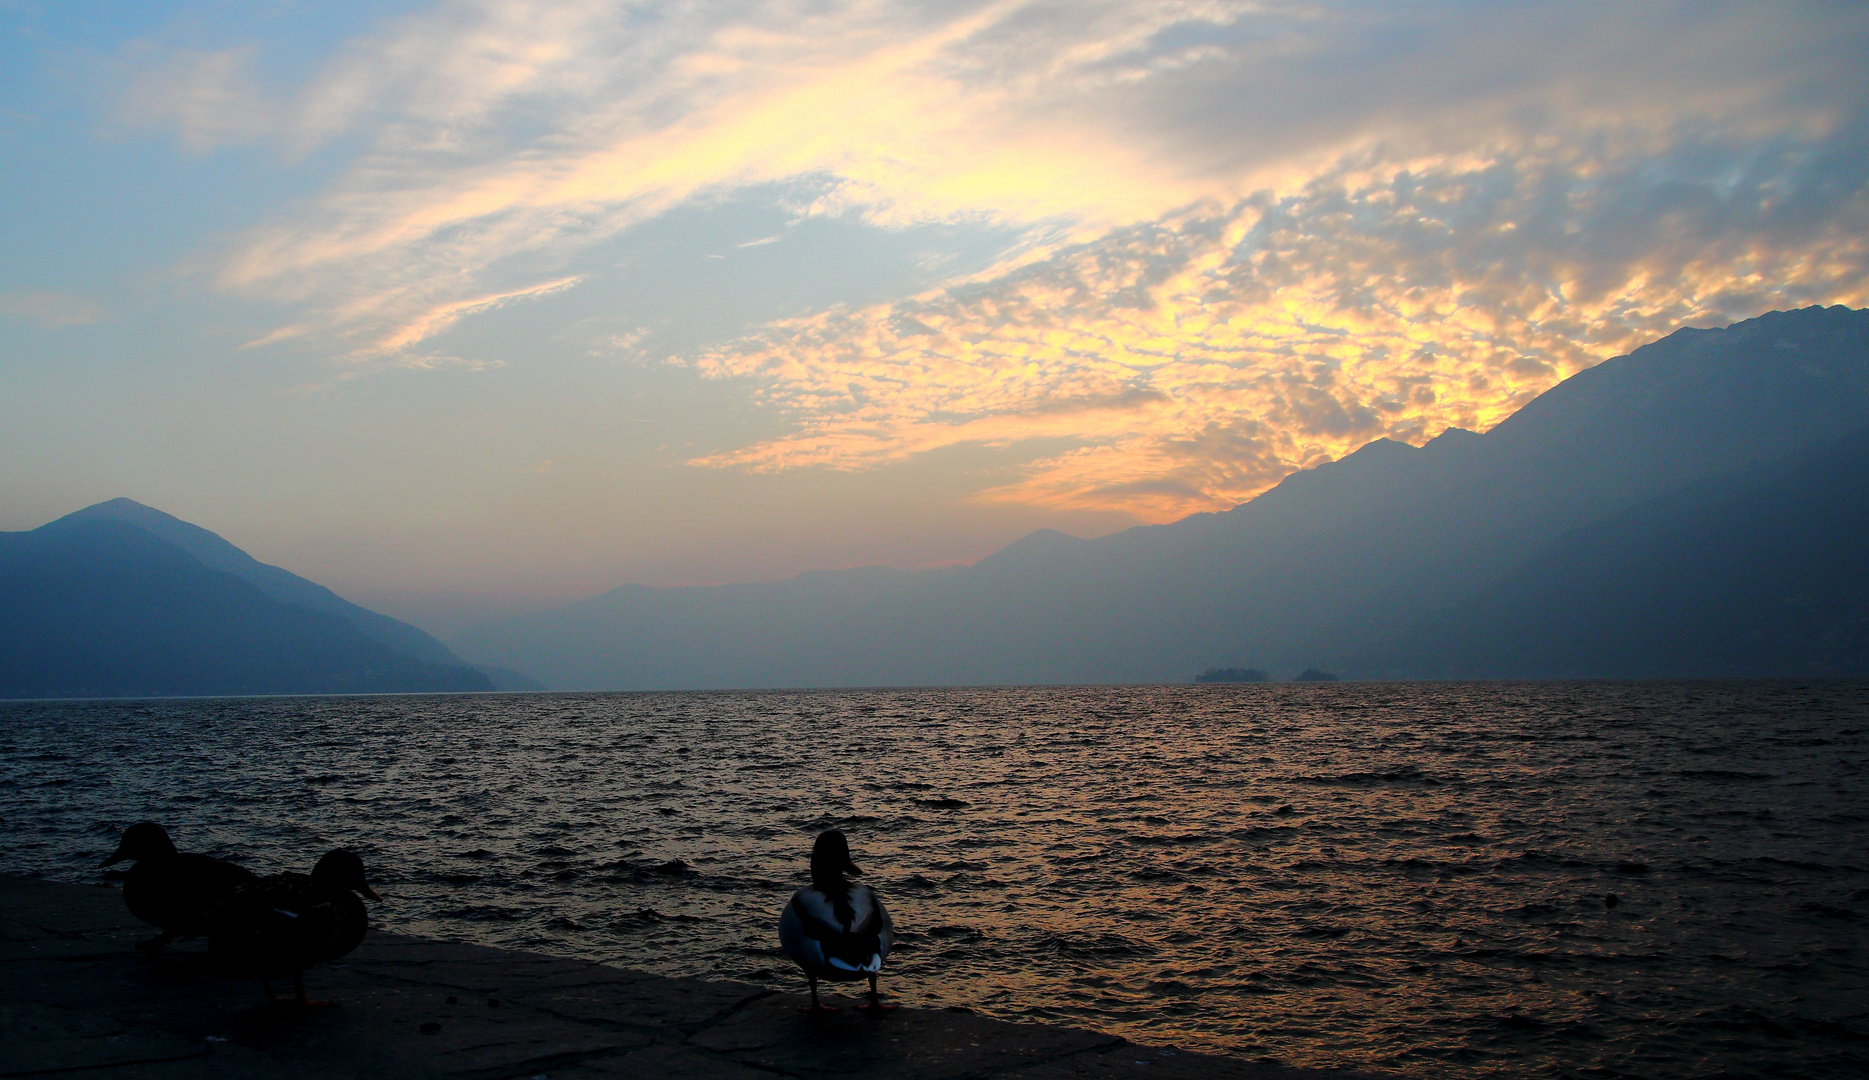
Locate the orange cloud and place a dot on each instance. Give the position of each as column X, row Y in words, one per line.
column 502, row 137
column 873, row 95
column 1250, row 235
column 1190, row 363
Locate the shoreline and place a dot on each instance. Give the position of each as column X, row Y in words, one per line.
column 79, row 1000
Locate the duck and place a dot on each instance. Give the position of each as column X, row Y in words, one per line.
column 279, row 925
column 169, row 889
column 835, row 929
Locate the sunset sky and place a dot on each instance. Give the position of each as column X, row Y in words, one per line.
column 466, row 308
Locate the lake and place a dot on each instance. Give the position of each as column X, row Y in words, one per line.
column 1535, row 879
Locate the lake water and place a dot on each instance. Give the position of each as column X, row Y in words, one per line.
column 1408, row 876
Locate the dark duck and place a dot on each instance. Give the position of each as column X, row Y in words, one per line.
column 170, row 889
column 836, row 929
column 275, row 927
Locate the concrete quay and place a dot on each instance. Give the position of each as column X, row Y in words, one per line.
column 78, row 1000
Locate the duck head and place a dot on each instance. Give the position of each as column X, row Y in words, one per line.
column 830, row 860
column 143, row 840
column 342, row 869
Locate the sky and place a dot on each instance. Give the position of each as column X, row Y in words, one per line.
column 470, row 308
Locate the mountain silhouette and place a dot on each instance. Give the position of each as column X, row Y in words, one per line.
column 282, row 585
column 1465, row 556
column 121, row 600
column 1771, row 578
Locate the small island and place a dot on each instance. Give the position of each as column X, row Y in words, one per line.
column 1232, row 674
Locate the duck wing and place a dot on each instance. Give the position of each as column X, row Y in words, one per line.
column 274, row 926
column 877, row 922
column 831, row 943
column 177, row 892
column 353, row 920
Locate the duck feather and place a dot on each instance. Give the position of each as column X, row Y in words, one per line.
column 824, row 943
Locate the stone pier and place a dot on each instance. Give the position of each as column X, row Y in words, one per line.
column 78, row 1000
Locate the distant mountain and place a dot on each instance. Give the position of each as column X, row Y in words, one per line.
column 122, row 600
column 1457, row 557
column 507, row 678
column 1232, row 675
column 1735, row 578
column 765, row 633
column 282, row 585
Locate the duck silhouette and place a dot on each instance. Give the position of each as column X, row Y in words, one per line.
column 170, row 889
column 277, row 926
column 835, row 929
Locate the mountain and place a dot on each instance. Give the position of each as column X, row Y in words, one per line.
column 765, row 633
column 1368, row 566
column 507, row 679
column 282, row 585
column 122, row 600
column 1765, row 578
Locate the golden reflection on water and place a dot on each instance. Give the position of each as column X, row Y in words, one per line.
column 1374, row 874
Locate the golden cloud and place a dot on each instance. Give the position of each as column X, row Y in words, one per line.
column 887, row 102
column 1190, row 363
column 1252, row 235
column 502, row 137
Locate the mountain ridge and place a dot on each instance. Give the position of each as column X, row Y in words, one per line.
column 1317, row 571
column 217, row 553
column 101, row 608
column 122, row 600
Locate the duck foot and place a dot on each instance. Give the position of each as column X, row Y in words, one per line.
column 298, row 984
column 875, row 1006
column 816, row 1008
column 297, row 1001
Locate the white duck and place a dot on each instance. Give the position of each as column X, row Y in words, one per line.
column 835, row 929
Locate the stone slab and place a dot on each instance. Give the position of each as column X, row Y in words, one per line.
column 77, row 999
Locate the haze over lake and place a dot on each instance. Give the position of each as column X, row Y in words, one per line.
column 1410, row 876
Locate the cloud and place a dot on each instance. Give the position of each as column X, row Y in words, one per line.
column 1187, row 363
column 50, row 309
column 1250, row 234
column 461, row 191
column 442, row 316
column 502, row 137
column 208, row 98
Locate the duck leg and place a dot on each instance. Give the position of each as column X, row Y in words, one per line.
column 157, row 942
column 298, row 984
column 875, row 1006
column 816, row 1009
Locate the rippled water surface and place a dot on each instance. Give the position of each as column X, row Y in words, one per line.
column 1411, row 876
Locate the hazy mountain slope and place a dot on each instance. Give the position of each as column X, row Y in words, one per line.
column 282, row 585
column 104, row 608
column 1336, row 556
column 1772, row 579
column 784, row 633
column 1318, row 570
column 508, row 679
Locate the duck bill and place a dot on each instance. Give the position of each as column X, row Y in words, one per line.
column 114, row 859
column 369, row 892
